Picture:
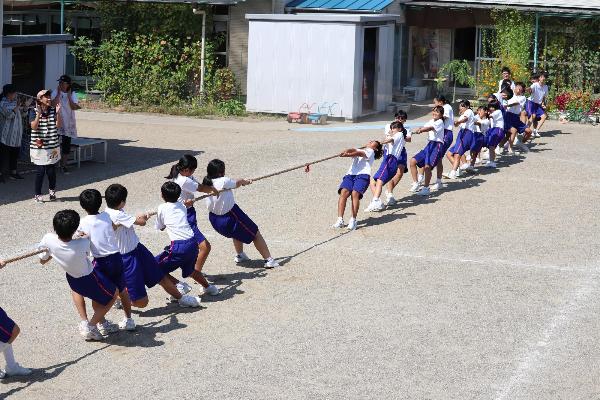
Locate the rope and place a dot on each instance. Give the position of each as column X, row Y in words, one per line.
column 22, row 256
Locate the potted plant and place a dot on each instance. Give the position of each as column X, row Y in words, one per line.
column 460, row 71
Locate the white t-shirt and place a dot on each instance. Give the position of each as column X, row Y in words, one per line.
column 437, row 134
column 362, row 165
column 173, row 218
column 469, row 123
column 72, row 256
column 69, row 127
column 189, row 186
column 496, row 119
column 449, row 114
column 99, row 229
column 127, row 239
column 538, row 92
column 516, row 104
column 512, row 85
column 483, row 128
column 395, row 148
column 224, row 203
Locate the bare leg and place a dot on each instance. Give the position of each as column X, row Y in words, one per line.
column 344, row 194
column 456, row 161
column 474, row 158
column 440, row 170
column 396, row 179
column 204, row 251
column 169, row 287
column 261, row 246
column 427, row 173
column 126, row 302
column 143, row 302
column 15, row 332
column 79, row 302
column 355, row 203
column 378, row 188
column 542, row 120
column 413, row 169
column 238, row 246
column 100, row 310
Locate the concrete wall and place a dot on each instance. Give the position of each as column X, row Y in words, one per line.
column 55, row 63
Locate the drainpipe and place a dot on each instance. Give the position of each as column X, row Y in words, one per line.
column 535, row 41
column 203, row 13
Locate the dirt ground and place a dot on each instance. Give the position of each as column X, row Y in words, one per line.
column 488, row 289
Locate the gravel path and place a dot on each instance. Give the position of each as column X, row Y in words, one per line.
column 486, row 290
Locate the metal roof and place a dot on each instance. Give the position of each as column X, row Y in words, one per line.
column 554, row 7
column 339, row 5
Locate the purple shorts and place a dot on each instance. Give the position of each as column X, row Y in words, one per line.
column 235, row 225
column 387, row 170
column 493, row 137
column 534, row 109
column 94, row 286
column 514, row 121
column 181, row 254
column 141, row 270
column 477, row 142
column 448, row 138
column 111, row 266
column 6, row 326
column 430, row 155
column 403, row 160
column 191, row 217
column 463, row 142
column 355, row 183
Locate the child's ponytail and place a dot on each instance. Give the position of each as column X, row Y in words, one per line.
column 215, row 169
column 173, row 172
column 379, row 150
column 188, row 161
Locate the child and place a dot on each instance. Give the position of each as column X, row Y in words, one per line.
column 182, row 174
column 394, row 160
column 496, row 132
column 448, row 136
column 183, row 251
column 44, row 146
column 140, row 266
column 513, row 123
column 536, row 110
column 72, row 255
column 463, row 139
column 356, row 181
column 431, row 155
column 8, row 333
column 401, row 117
column 506, row 80
column 481, row 126
column 98, row 227
column 11, row 133
column 228, row 219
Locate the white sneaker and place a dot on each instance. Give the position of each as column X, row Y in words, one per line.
column 128, row 324
column 478, row 160
column 339, row 223
column 83, row 328
column 92, row 334
column 211, row 290
column 107, row 327
column 536, row 133
column 118, row 305
column 17, row 370
column 438, row 185
column 2, row 374
column 424, row 191
column 352, row 224
column 499, row 150
column 420, row 178
column 390, row 199
column 490, row 164
column 414, row 187
column 470, row 168
column 375, row 205
column 271, row 263
column 189, row 301
column 465, row 166
column 241, row 258
column 468, row 157
column 183, row 287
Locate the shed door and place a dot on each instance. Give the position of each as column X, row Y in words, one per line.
column 385, row 64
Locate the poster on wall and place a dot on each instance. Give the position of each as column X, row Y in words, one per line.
column 431, row 48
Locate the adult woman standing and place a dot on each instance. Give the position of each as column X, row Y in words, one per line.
column 11, row 133
column 67, row 99
column 44, row 147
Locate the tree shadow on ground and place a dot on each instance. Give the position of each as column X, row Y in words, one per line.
column 123, row 158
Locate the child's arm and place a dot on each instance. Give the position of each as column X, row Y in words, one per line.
column 243, row 182
column 45, row 261
column 36, row 121
column 208, row 189
column 353, row 153
column 74, row 106
column 460, row 121
column 425, row 129
column 141, row 219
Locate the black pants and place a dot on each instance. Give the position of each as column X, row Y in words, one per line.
column 8, row 158
column 65, row 145
column 41, row 171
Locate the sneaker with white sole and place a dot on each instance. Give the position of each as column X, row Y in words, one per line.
column 450, row 175
column 339, row 223
column 241, row 258
column 38, row 199
column 424, row 191
column 536, row 134
column 128, row 324
column 107, row 327
column 189, row 301
column 17, row 370
column 390, row 199
column 375, row 205
column 420, row 179
column 83, row 328
column 491, row 164
column 118, row 305
column 465, row 166
column 470, row 168
column 271, row 263
column 183, row 287
column 2, row 374
column 414, row 187
column 211, row 290
column 438, row 185
column 92, row 334
column 352, row 224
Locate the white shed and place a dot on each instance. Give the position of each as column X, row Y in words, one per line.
column 320, row 58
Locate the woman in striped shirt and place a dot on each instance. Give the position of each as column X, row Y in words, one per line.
column 44, row 147
column 11, row 133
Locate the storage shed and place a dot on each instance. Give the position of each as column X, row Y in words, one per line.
column 312, row 58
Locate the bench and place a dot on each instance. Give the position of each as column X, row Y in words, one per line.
column 83, row 150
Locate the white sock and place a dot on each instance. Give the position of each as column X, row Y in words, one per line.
column 269, row 259
column 375, row 198
column 9, row 356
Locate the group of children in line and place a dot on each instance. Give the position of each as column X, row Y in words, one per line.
column 121, row 268
column 505, row 124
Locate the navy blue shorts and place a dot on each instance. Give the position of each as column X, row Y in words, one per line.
column 430, row 155
column 111, row 266
column 355, row 183
column 141, row 270
column 387, row 170
column 181, row 254
column 193, row 221
column 493, row 137
column 6, row 326
column 235, row 225
column 94, row 286
column 534, row 109
column 403, row 160
column 477, row 142
column 514, row 121
column 448, row 138
column 463, row 142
